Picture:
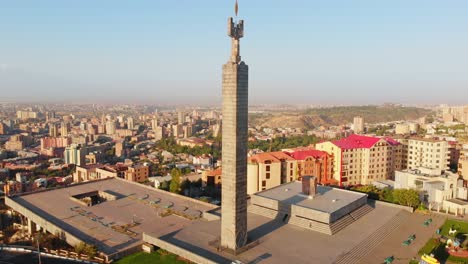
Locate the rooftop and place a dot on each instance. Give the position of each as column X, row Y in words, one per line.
column 305, row 153
column 356, row 141
column 327, row 199
column 98, row 224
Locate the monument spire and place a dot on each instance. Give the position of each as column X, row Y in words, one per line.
column 236, row 32
column 235, row 135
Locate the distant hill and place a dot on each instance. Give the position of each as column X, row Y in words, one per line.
column 333, row 116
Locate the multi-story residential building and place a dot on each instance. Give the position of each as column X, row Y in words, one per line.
column 187, row 131
column 463, row 164
column 361, row 159
column 137, row 173
column 402, row 129
column 312, row 162
column 358, row 125
column 130, row 123
column 64, row 129
column 180, row 118
column 154, row 124
column 160, row 133
column 428, row 153
column 74, row 154
column 55, row 142
column 53, row 130
column 177, row 131
column 267, row 170
column 24, row 115
column 18, row 142
column 110, row 127
column 3, row 129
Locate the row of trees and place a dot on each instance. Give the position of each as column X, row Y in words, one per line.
column 398, row 196
column 176, row 185
column 170, row 144
column 279, row 143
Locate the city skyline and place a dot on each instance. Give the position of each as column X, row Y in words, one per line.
column 320, row 53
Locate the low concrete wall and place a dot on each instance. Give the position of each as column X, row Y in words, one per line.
column 265, row 202
column 210, row 216
column 176, row 250
column 406, row 208
column 311, row 214
column 211, row 206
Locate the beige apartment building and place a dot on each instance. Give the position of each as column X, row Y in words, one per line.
column 137, row 173
column 361, row 159
column 268, row 170
column 358, row 124
column 92, row 172
column 428, row 153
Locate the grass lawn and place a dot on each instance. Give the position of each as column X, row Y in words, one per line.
column 159, row 256
column 438, row 249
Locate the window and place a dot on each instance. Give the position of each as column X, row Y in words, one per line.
column 291, row 165
column 267, row 167
column 268, row 175
column 263, row 183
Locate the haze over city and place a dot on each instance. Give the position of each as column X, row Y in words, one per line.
column 219, row 132
column 313, row 52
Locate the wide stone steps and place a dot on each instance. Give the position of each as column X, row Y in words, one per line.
column 361, row 211
column 263, row 211
column 372, row 241
column 311, row 225
column 341, row 223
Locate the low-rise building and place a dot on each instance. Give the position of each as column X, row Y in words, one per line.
column 434, row 185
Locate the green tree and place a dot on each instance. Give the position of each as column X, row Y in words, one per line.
column 406, row 197
column 174, row 187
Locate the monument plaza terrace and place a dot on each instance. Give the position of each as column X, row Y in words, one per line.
column 111, row 213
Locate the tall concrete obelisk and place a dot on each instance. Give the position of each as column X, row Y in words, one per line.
column 234, row 154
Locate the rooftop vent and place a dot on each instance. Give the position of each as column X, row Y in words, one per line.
column 309, row 186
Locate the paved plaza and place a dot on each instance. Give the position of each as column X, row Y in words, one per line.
column 137, row 209
column 283, row 243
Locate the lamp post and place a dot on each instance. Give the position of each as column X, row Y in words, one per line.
column 38, row 248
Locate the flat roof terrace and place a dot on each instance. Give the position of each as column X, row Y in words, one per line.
column 327, row 206
column 118, row 217
column 326, row 200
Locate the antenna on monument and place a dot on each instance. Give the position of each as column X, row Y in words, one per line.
column 236, row 8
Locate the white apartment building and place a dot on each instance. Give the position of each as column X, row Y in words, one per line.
column 428, row 153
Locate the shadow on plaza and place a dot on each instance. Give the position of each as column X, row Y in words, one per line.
column 282, row 218
column 170, row 238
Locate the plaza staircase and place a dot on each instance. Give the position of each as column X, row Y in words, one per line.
column 361, row 211
column 310, row 224
column 341, row 223
column 373, row 240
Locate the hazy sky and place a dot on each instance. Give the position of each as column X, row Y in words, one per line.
column 299, row 51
